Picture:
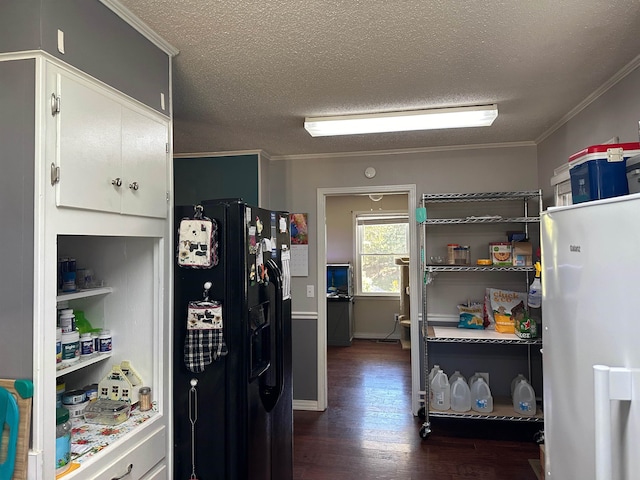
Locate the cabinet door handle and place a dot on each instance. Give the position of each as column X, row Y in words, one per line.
column 134, row 186
column 116, row 182
column 55, row 104
column 129, row 468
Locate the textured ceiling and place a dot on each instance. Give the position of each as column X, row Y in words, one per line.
column 248, row 72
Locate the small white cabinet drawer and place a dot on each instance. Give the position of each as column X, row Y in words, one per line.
column 137, row 460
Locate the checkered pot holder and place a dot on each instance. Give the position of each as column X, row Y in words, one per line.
column 204, row 342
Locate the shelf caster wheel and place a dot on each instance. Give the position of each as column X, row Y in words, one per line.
column 425, row 431
column 422, row 414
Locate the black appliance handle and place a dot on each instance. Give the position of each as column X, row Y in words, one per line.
column 270, row 394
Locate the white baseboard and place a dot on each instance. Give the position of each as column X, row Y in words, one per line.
column 308, row 405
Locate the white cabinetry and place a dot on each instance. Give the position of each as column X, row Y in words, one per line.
column 110, row 151
column 123, row 235
column 475, row 219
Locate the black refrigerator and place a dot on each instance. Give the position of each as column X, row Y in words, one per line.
column 232, row 389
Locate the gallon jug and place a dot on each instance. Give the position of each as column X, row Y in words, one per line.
column 524, row 399
column 460, row 395
column 515, row 381
column 441, row 390
column 481, row 399
column 473, row 378
column 432, row 373
column 455, row 376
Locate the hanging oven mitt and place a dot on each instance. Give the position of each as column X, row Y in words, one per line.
column 197, row 241
column 204, row 341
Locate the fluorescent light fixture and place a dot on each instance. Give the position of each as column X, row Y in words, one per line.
column 456, row 117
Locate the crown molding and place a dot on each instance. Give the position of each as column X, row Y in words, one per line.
column 232, row 153
column 604, row 88
column 144, row 29
column 311, row 156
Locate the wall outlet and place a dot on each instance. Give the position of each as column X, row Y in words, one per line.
column 485, row 375
column 310, row 292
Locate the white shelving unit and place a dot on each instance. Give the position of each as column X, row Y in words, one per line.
column 462, row 212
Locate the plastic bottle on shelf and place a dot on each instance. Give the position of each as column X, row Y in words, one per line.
column 481, row 399
column 473, row 378
column 432, row 373
column 67, row 320
column 460, row 395
column 524, row 399
column 441, row 389
column 515, row 381
column 534, row 299
column 455, row 376
column 63, row 440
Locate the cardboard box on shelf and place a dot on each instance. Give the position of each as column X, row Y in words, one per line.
column 522, row 254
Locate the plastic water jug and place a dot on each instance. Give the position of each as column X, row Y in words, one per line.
column 473, row 378
column 524, row 399
column 481, row 399
column 455, row 376
column 432, row 373
column 460, row 396
column 441, row 390
column 515, row 381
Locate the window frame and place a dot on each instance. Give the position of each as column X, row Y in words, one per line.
column 404, row 216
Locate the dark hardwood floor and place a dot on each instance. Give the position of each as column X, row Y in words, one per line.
column 368, row 431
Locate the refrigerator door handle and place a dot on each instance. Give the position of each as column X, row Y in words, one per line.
column 270, row 394
column 609, row 383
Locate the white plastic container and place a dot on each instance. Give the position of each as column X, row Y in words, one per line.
column 473, row 378
column 524, row 399
column 460, row 395
column 441, row 392
column 515, row 381
column 70, row 347
column 104, row 339
column 481, row 399
column 432, row 373
column 86, row 345
column 67, row 320
column 455, row 376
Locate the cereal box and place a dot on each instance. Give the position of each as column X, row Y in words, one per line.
column 500, row 253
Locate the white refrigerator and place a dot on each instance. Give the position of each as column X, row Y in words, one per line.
column 591, row 318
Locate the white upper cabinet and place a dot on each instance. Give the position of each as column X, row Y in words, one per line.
column 144, row 154
column 111, row 152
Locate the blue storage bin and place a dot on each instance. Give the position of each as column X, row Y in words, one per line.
column 600, row 171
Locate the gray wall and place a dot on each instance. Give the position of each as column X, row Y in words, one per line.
column 488, row 169
column 373, row 316
column 97, row 41
column 615, row 113
column 305, row 360
column 19, row 25
column 17, row 130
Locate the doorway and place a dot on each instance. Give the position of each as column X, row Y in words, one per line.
column 322, row 194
